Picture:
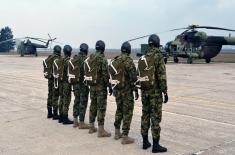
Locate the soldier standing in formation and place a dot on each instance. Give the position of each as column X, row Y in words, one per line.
column 48, row 74
column 65, row 88
column 81, row 91
column 123, row 92
column 99, row 81
column 152, row 91
column 56, row 84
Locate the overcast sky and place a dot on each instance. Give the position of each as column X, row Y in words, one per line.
column 114, row 21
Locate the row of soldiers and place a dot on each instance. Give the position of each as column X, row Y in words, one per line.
column 83, row 74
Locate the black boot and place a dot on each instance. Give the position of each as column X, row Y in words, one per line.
column 146, row 143
column 49, row 112
column 55, row 114
column 157, row 147
column 60, row 118
column 66, row 120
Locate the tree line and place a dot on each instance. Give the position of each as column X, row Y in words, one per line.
column 6, row 44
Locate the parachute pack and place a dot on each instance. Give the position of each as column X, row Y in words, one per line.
column 146, row 70
column 116, row 71
column 74, row 70
column 57, row 70
column 90, row 70
column 47, row 66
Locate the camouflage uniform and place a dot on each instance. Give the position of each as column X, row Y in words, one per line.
column 152, row 98
column 124, row 96
column 81, row 92
column 66, row 88
column 56, row 93
column 98, row 93
column 50, row 92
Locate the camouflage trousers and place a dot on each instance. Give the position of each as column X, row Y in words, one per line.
column 55, row 95
column 151, row 112
column 50, row 93
column 65, row 97
column 124, row 112
column 61, row 100
column 98, row 105
column 81, row 93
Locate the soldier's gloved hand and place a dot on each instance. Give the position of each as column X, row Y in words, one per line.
column 136, row 94
column 110, row 90
column 165, row 97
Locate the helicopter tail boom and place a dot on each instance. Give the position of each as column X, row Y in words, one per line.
column 220, row 40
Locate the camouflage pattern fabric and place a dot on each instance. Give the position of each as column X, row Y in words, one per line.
column 152, row 99
column 50, row 93
column 81, row 92
column 124, row 112
column 55, row 96
column 98, row 93
column 61, row 100
column 124, row 97
column 98, row 105
column 51, row 101
column 66, row 93
column 66, row 97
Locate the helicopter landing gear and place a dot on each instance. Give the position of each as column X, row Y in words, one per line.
column 176, row 60
column 165, row 60
column 190, row 60
column 208, row 60
column 22, row 54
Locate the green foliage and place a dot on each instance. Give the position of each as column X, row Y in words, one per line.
column 6, row 35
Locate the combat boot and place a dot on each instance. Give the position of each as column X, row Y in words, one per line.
column 49, row 112
column 118, row 134
column 75, row 122
column 146, row 143
column 66, row 120
column 55, row 114
column 102, row 132
column 83, row 125
column 60, row 118
column 92, row 128
column 157, row 147
column 127, row 140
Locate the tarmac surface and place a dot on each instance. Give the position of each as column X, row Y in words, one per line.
column 199, row 118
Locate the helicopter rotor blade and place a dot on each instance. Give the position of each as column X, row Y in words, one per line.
column 178, row 29
column 13, row 39
column 214, row 28
column 137, row 38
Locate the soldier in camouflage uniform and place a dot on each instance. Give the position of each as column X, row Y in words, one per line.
column 55, row 91
column 56, row 53
column 81, row 91
column 152, row 99
column 98, row 93
column 124, row 95
column 65, row 88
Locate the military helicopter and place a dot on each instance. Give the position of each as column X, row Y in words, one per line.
column 193, row 44
column 25, row 46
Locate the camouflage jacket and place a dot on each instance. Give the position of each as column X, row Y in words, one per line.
column 130, row 73
column 160, row 69
column 81, row 57
column 65, row 68
column 102, row 70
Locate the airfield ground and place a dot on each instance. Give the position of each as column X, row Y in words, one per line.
column 199, row 118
